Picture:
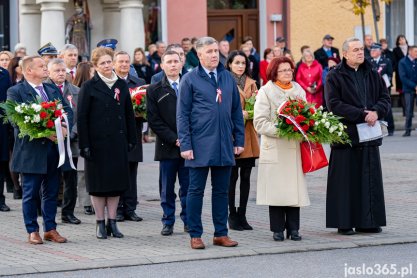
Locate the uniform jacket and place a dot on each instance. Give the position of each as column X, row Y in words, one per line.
column 344, row 99
column 251, row 137
column 137, row 154
column 321, row 56
column 106, row 126
column 383, row 66
column 211, row 129
column 31, row 156
column 161, row 112
column 407, row 70
column 281, row 179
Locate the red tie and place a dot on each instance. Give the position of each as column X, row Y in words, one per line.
column 72, row 74
column 60, row 89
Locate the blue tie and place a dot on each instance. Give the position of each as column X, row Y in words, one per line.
column 213, row 78
column 43, row 94
column 329, row 53
column 174, row 86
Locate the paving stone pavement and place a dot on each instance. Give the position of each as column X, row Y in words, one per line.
column 143, row 243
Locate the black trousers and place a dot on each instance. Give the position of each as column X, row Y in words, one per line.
column 244, row 186
column 282, row 218
column 3, row 166
column 70, row 189
column 128, row 200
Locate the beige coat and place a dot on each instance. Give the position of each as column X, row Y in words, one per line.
column 281, row 179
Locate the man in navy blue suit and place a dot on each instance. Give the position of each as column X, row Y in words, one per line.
column 37, row 160
column 210, row 131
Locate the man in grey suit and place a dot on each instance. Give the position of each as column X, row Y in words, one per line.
column 57, row 76
column 37, row 160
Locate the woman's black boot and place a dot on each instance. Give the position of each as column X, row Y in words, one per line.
column 112, row 228
column 101, row 229
column 293, row 235
column 241, row 212
column 234, row 223
column 278, row 236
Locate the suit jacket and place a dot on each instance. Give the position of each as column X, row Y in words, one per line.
column 407, row 70
column 321, row 55
column 137, row 154
column 71, row 95
column 161, row 112
column 31, row 156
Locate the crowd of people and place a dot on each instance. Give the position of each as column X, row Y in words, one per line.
column 196, row 108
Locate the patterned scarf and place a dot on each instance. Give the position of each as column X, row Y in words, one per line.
column 240, row 80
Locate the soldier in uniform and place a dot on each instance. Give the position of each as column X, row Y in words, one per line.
column 383, row 66
column 48, row 52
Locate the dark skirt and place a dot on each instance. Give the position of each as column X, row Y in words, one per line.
column 245, row 162
column 106, row 194
column 355, row 194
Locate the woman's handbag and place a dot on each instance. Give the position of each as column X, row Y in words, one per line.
column 312, row 156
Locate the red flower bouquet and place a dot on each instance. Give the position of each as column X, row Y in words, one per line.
column 138, row 96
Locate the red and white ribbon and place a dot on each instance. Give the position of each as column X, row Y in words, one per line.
column 117, row 94
column 219, row 95
column 61, row 144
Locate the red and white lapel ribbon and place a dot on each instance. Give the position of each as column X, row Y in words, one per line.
column 117, row 94
column 219, row 95
column 61, row 144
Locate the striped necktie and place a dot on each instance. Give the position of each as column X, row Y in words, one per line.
column 42, row 92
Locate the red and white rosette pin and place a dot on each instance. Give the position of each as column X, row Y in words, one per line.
column 219, row 95
column 69, row 98
column 117, row 94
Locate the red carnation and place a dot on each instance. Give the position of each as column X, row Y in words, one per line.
column 49, row 124
column 305, row 127
column 288, row 121
column 312, row 122
column 295, row 128
column 43, row 114
column 45, row 105
column 300, row 118
column 312, row 110
column 58, row 113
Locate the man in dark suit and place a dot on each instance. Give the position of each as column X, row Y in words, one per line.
column 155, row 59
column 327, row 50
column 161, row 112
column 383, row 66
column 37, row 160
column 211, row 132
column 57, row 74
column 129, row 200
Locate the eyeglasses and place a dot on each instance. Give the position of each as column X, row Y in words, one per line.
column 285, row 71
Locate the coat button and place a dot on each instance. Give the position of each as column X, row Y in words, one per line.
column 120, row 117
column 121, row 131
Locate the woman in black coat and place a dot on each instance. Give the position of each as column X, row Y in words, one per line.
column 106, row 130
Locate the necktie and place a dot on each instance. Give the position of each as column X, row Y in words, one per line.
column 174, row 86
column 60, row 89
column 329, row 53
column 43, row 94
column 72, row 74
column 212, row 77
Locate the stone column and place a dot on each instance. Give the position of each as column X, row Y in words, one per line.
column 53, row 22
column 111, row 20
column 132, row 30
column 29, row 26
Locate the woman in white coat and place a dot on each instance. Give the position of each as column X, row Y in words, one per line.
column 281, row 183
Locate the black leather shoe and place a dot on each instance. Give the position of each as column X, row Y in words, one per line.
column 120, row 218
column 279, row 236
column 407, row 133
column 17, row 194
column 186, row 229
column 293, row 235
column 167, row 230
column 4, row 207
column 71, row 219
column 132, row 216
column 88, row 210
column 369, row 230
column 346, row 232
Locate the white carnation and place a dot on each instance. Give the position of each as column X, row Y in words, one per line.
column 36, row 107
column 331, row 130
column 323, row 121
column 339, row 133
column 36, row 119
column 18, row 109
column 327, row 124
column 59, row 106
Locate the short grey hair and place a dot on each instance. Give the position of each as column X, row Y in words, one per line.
column 55, row 61
column 66, row 47
column 345, row 46
column 121, row 52
column 203, row 41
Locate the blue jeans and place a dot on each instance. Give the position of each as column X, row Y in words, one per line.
column 48, row 186
column 168, row 170
column 220, row 179
column 409, row 98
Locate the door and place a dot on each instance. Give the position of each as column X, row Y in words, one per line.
column 4, row 25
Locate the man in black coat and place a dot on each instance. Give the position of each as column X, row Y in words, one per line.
column 161, row 113
column 129, row 200
column 37, row 160
column 326, row 51
column 355, row 195
column 155, row 59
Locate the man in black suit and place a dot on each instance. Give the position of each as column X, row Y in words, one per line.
column 128, row 201
column 161, row 111
column 57, row 76
column 37, row 160
column 326, row 51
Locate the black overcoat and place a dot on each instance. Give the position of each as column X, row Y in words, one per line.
column 106, row 126
column 161, row 112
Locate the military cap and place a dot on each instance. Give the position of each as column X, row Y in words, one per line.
column 110, row 43
column 376, row 46
column 47, row 49
column 328, row 37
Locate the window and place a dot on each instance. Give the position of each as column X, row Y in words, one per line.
column 231, row 4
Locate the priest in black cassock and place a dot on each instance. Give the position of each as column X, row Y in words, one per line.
column 355, row 195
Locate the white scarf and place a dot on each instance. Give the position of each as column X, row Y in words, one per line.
column 109, row 81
